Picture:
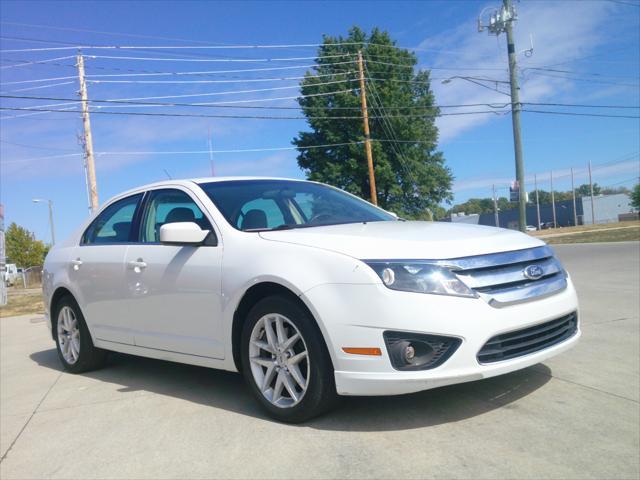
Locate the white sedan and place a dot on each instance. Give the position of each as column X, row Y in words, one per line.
column 307, row 290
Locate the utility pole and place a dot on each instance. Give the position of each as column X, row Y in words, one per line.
column 213, row 172
column 88, row 141
column 553, row 201
column 495, row 207
column 502, row 21
column 367, row 136
column 535, row 181
column 573, row 194
column 593, row 212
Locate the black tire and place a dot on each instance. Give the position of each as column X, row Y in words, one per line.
column 320, row 395
column 90, row 357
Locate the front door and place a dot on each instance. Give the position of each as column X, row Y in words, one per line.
column 175, row 291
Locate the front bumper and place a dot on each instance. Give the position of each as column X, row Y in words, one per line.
column 357, row 316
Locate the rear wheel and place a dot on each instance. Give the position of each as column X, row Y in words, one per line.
column 75, row 347
column 285, row 361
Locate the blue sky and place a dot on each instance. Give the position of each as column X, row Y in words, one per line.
column 589, row 52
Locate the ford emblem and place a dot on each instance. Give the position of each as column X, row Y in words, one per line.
column 533, row 272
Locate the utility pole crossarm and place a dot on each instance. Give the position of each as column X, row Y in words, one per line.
column 88, row 141
column 367, row 135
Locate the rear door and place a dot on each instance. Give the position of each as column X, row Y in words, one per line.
column 175, row 291
column 97, row 270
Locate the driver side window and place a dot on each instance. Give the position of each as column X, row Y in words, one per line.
column 169, row 206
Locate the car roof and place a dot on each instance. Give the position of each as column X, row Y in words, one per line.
column 186, row 182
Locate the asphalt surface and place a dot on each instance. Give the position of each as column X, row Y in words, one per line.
column 575, row 416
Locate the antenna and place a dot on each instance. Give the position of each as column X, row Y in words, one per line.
column 213, row 172
column 167, row 174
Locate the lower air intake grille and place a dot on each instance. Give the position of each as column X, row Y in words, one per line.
column 529, row 340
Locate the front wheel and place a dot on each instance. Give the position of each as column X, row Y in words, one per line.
column 285, row 361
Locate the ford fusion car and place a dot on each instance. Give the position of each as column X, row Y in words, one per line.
column 308, row 291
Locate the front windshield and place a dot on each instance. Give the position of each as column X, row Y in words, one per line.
column 256, row 205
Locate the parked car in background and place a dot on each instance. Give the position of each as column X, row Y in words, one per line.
column 11, row 274
column 531, row 228
column 546, row 225
column 307, row 290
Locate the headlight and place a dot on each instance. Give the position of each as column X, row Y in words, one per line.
column 420, row 277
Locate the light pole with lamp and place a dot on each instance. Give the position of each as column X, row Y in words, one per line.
column 53, row 233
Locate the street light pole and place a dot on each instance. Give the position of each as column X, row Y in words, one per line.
column 53, row 232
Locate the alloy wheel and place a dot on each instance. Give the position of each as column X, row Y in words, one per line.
column 68, row 335
column 279, row 360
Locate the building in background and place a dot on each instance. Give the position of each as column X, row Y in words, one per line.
column 608, row 209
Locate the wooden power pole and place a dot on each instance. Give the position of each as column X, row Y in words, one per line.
column 367, row 136
column 88, row 141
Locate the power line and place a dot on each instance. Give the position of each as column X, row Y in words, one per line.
column 36, row 88
column 188, row 152
column 36, row 147
column 220, row 60
column 257, row 117
column 579, row 114
column 437, row 68
column 240, row 80
column 226, row 103
column 210, row 72
column 37, row 62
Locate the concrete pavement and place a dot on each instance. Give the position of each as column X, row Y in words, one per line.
column 576, row 416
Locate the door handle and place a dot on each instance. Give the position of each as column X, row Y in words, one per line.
column 137, row 265
column 76, row 263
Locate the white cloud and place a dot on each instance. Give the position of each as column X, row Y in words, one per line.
column 560, row 31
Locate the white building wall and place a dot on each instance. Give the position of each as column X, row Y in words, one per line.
column 606, row 207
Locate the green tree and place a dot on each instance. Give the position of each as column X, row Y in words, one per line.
column 22, row 248
column 635, row 197
column 584, row 190
column 411, row 175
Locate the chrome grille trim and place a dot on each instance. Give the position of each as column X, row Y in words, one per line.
column 499, row 278
column 504, row 275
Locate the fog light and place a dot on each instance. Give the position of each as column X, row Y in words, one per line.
column 409, row 353
column 388, row 276
column 415, row 351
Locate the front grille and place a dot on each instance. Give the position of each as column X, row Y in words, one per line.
column 529, row 340
column 502, row 278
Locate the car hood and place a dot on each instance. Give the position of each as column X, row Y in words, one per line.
column 406, row 240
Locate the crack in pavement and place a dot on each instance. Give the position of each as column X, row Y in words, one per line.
column 4, row 455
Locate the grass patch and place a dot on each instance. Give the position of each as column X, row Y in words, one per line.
column 598, row 235
column 584, row 228
column 23, row 304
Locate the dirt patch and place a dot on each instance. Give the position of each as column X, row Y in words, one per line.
column 23, row 304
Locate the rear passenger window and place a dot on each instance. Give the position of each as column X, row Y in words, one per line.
column 114, row 224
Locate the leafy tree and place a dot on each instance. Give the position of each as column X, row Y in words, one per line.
column 584, row 190
column 411, row 175
column 22, row 247
column 635, row 197
column 615, row 190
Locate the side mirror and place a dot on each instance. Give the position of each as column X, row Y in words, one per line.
column 182, row 233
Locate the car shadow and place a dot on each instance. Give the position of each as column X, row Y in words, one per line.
column 226, row 390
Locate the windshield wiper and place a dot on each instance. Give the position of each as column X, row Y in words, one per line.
column 284, row 226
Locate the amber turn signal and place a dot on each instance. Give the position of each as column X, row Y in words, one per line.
column 362, row 351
